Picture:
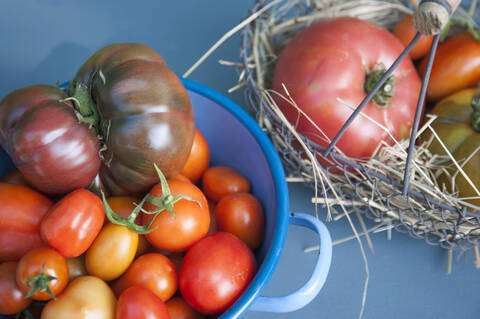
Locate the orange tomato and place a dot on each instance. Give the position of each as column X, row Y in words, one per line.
column 219, row 181
column 123, row 206
column 242, row 215
column 189, row 224
column 198, row 159
column 405, row 31
column 153, row 271
column 456, row 66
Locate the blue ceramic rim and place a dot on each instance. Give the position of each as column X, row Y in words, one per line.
column 280, row 233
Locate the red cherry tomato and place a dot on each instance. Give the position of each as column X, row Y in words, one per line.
column 73, row 223
column 140, row 303
column 39, row 264
column 242, row 215
column 21, row 210
column 215, row 272
column 179, row 309
column 198, row 159
column 11, row 297
column 405, row 31
column 219, row 181
column 190, row 222
column 152, row 271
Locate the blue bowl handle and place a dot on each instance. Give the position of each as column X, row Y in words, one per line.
column 300, row 298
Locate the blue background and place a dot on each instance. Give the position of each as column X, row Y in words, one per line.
column 45, row 41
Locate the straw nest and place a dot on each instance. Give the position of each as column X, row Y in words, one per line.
column 430, row 211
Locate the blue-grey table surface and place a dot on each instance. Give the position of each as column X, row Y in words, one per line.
column 43, row 41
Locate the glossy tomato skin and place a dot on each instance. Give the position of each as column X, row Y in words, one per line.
column 112, row 252
column 215, row 272
column 140, row 303
column 72, row 224
column 86, row 297
column 123, row 206
column 178, row 308
column 198, row 159
column 153, row 271
column 456, row 66
column 328, row 61
column 11, row 296
column 147, row 111
column 54, row 264
column 242, row 215
column 219, row 181
column 42, row 135
column 190, row 223
column 405, row 31
column 21, row 211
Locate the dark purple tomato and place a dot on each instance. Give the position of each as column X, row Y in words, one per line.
column 145, row 116
column 45, row 140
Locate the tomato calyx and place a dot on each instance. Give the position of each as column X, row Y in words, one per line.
column 164, row 202
column 382, row 96
column 40, row 283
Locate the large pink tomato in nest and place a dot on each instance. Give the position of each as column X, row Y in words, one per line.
column 336, row 62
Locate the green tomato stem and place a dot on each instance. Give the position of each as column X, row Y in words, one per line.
column 382, row 96
column 40, row 283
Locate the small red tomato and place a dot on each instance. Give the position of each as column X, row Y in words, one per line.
column 42, row 273
column 189, row 224
column 140, row 303
column 198, row 159
column 405, row 31
column 21, row 211
column 219, row 181
column 242, row 215
column 73, row 223
column 215, row 272
column 12, row 299
column 179, row 309
column 153, row 271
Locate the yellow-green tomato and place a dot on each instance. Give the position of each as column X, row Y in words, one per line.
column 112, row 252
column 87, row 297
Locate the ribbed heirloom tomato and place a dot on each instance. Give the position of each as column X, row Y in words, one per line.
column 329, row 67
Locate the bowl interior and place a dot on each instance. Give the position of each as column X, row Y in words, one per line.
column 233, row 138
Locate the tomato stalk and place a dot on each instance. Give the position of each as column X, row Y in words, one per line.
column 40, row 283
column 85, row 109
column 382, row 96
column 164, row 202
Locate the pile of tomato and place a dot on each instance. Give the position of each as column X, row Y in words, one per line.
column 183, row 250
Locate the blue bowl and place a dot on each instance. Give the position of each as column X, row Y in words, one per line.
column 236, row 140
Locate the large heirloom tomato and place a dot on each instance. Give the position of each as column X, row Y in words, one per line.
column 142, row 112
column 42, row 135
column 338, row 60
column 458, row 126
column 21, row 212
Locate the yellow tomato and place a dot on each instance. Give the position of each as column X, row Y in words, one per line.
column 112, row 252
column 86, row 297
